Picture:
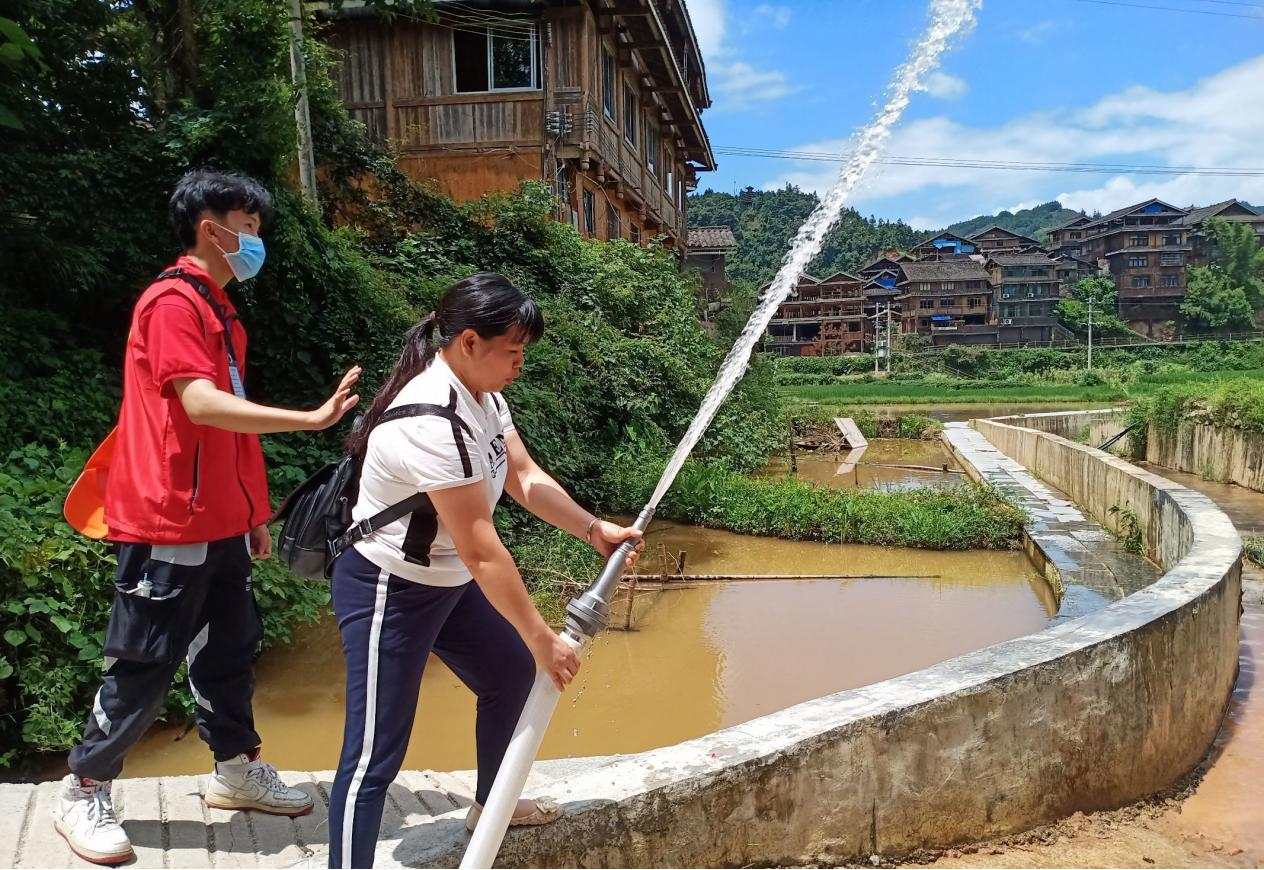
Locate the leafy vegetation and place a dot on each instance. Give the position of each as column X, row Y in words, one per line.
column 1103, row 296
column 1253, row 548
column 764, row 222
column 1213, row 303
column 92, row 149
column 1236, row 402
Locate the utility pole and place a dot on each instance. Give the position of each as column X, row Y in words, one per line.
column 877, row 336
column 302, row 115
column 882, row 326
column 888, row 337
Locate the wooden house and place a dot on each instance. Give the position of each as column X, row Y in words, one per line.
column 998, row 240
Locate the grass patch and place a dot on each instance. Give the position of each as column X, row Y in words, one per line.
column 1236, row 402
column 947, row 391
column 963, row 517
column 815, row 423
column 1253, row 548
column 1129, row 529
column 1236, row 397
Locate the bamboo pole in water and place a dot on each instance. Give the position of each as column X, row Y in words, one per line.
column 938, row 469
column 627, row 623
column 719, row 578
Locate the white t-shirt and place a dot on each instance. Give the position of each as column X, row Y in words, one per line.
column 424, row 454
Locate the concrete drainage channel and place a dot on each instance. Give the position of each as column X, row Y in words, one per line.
column 1094, row 712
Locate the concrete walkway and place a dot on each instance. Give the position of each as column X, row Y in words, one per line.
column 1081, row 556
column 170, row 826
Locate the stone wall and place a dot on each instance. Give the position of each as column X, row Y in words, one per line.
column 1215, row 452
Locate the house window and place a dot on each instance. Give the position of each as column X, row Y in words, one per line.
column 590, row 213
column 629, row 115
column 946, row 303
column 1142, row 260
column 948, row 285
column 925, row 285
column 608, row 99
column 1140, row 280
column 1171, row 260
column 614, row 230
column 1172, row 239
column 668, row 173
column 974, row 302
column 1169, row 280
column 636, row 233
column 1075, row 234
column 564, row 188
column 653, row 144
column 495, row 59
column 1140, row 240
column 926, row 303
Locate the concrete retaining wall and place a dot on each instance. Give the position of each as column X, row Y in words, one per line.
column 1090, row 427
column 1215, row 452
column 1091, row 713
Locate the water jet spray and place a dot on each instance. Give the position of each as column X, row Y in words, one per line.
column 589, row 613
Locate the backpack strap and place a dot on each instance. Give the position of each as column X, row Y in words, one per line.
column 234, row 370
column 361, row 530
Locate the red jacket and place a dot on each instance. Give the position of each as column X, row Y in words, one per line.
column 171, row 480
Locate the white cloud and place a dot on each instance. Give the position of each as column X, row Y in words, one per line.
column 735, row 83
column 766, row 14
column 1218, row 121
column 1028, row 203
column 707, row 17
column 738, row 85
column 922, row 223
column 944, row 86
column 1037, row 33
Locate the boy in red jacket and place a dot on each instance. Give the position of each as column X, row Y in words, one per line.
column 187, row 504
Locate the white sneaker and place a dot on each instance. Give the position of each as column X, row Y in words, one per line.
column 84, row 816
column 242, row 784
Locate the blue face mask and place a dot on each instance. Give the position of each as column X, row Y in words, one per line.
column 247, row 260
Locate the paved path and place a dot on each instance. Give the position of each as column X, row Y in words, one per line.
column 170, row 826
column 1091, row 564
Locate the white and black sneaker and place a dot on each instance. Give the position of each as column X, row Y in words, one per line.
column 246, row 783
column 84, row 816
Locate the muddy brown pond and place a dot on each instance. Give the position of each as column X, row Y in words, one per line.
column 699, row 659
column 887, row 463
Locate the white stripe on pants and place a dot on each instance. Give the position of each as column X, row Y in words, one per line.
column 370, row 714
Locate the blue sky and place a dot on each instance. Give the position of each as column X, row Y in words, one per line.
column 1063, row 81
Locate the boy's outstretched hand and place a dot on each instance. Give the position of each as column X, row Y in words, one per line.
column 342, row 401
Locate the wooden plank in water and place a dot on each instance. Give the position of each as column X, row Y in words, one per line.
column 850, row 461
column 851, row 432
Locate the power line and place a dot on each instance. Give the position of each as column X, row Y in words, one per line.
column 502, row 15
column 1173, row 9
column 1010, row 165
column 478, row 27
column 970, row 162
column 1231, row 3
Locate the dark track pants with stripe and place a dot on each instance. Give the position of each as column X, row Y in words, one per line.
column 192, row 602
column 389, row 627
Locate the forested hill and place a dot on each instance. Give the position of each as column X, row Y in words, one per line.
column 1032, row 222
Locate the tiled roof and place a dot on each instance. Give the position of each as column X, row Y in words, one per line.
column 974, row 237
column 1198, row 215
column 1129, row 209
column 711, row 237
column 952, row 270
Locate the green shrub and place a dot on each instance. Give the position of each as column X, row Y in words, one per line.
column 954, row 518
